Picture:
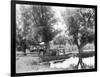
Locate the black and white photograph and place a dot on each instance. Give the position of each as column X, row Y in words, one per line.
column 54, row 38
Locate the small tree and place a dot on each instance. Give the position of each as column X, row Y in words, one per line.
column 81, row 26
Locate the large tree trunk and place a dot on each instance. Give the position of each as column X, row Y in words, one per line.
column 24, row 46
column 47, row 47
column 80, row 58
column 24, row 49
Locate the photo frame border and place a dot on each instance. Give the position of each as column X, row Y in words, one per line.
column 13, row 37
